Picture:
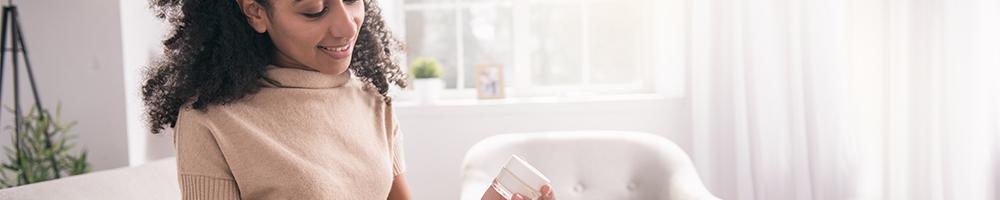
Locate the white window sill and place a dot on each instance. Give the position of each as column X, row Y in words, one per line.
column 532, row 101
column 539, row 106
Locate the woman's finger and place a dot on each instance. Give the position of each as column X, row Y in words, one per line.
column 517, row 197
column 547, row 193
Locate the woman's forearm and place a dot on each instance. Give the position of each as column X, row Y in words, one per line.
column 400, row 190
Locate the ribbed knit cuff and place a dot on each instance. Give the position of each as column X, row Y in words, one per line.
column 194, row 187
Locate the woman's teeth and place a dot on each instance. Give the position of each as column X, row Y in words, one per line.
column 344, row 48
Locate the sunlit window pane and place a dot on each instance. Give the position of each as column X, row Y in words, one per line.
column 614, row 36
column 554, row 43
column 488, row 39
column 546, row 47
column 431, row 33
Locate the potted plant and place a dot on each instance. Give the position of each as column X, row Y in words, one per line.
column 427, row 74
column 45, row 141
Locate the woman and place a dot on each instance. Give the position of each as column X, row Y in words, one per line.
column 280, row 99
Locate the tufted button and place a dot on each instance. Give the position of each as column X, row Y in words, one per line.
column 631, row 186
column 578, row 188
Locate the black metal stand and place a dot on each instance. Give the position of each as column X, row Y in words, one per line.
column 10, row 18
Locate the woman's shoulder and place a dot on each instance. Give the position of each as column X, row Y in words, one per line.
column 215, row 118
column 188, row 115
column 365, row 90
column 189, row 120
column 203, row 118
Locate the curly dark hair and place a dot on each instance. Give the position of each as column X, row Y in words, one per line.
column 213, row 56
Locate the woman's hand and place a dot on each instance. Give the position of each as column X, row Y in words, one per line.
column 492, row 194
column 547, row 194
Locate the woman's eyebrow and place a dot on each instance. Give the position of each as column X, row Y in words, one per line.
column 296, row 2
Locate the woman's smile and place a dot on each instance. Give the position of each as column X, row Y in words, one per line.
column 337, row 52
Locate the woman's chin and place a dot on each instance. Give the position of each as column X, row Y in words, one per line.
column 336, row 68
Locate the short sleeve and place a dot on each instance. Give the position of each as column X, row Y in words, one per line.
column 202, row 170
column 395, row 142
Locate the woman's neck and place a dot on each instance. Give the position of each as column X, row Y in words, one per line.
column 283, row 61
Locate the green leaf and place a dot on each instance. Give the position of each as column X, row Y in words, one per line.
column 425, row 67
column 44, row 138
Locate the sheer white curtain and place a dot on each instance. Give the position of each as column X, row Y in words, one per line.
column 846, row 99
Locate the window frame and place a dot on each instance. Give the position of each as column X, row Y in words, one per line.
column 519, row 82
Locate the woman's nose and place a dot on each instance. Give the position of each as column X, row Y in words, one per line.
column 343, row 24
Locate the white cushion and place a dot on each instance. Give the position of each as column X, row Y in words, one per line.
column 590, row 165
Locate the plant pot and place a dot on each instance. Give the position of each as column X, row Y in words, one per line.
column 429, row 89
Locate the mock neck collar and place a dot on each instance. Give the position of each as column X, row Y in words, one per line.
column 299, row 78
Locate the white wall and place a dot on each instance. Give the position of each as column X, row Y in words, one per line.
column 75, row 49
column 142, row 34
column 90, row 56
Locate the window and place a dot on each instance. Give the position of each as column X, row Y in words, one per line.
column 546, row 47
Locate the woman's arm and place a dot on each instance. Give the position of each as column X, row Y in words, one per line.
column 400, row 191
column 201, row 168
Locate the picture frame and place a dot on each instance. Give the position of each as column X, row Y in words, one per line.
column 489, row 81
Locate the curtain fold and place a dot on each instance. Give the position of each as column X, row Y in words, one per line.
column 854, row 99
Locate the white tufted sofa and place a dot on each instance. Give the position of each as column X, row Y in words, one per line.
column 590, row 165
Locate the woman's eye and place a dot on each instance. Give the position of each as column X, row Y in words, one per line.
column 351, row 1
column 317, row 14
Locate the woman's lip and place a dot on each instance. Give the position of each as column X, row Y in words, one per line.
column 333, row 52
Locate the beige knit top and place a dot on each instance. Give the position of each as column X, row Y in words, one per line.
column 313, row 136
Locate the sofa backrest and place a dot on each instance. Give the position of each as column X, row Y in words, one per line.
column 153, row 180
column 590, row 165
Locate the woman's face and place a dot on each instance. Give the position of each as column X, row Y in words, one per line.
column 315, row 35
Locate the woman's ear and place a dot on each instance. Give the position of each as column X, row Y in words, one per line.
column 255, row 14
